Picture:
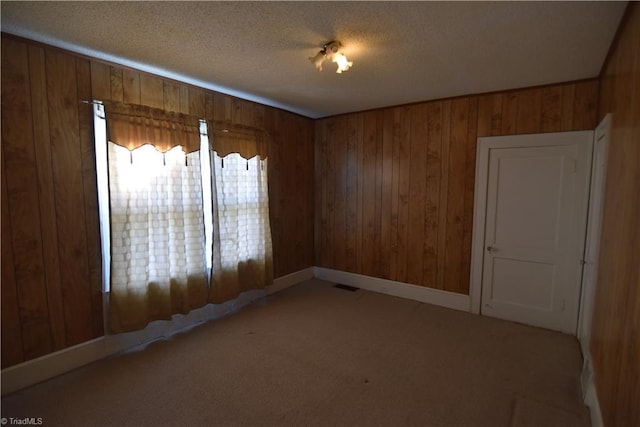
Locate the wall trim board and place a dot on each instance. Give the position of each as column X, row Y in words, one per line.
column 589, row 393
column 33, row 371
column 292, row 279
column 398, row 289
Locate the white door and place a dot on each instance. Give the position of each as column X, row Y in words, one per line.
column 536, row 207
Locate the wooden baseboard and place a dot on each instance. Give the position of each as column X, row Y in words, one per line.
column 43, row 368
column 398, row 289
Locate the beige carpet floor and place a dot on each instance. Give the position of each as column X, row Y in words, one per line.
column 318, row 355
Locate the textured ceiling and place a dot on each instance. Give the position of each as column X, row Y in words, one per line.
column 402, row 51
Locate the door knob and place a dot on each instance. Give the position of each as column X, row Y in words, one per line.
column 491, row 249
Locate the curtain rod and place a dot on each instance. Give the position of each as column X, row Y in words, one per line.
column 223, row 124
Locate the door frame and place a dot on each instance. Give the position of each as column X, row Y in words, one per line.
column 484, row 146
column 593, row 231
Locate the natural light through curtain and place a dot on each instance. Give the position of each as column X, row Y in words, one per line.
column 242, row 252
column 184, row 211
column 157, row 229
column 152, row 212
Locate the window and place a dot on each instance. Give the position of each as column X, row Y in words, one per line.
column 178, row 228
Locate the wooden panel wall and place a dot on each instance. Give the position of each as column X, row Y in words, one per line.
column 615, row 339
column 395, row 186
column 51, row 260
column 51, row 264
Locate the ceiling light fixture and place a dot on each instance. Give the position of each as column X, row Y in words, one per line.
column 331, row 51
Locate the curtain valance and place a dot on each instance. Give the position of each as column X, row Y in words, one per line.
column 132, row 126
column 248, row 142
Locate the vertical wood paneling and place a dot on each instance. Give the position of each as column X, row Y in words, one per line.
column 42, row 140
column 417, row 194
column 341, row 183
column 456, row 193
column 258, row 120
column 184, row 100
column 131, row 87
column 222, row 107
column 358, row 129
column 304, row 199
column 551, row 109
column 386, row 189
column 329, row 166
column 443, row 194
column 529, row 111
column 62, row 94
column 369, row 193
column 403, row 191
column 242, row 111
column 209, row 112
column 100, row 81
column 320, row 158
column 46, row 194
column 291, row 184
column 51, row 265
column 432, row 199
column 151, row 91
column 352, row 248
column 12, row 352
column 406, row 185
column 509, row 119
column 584, row 105
column 285, row 175
column 469, row 183
column 568, row 94
column 197, row 102
column 22, row 199
column 117, row 88
column 395, row 182
column 485, row 113
column 290, row 175
column 616, row 315
column 377, row 241
column 90, row 196
column 496, row 115
column 171, row 96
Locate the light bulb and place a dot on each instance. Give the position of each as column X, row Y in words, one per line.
column 342, row 62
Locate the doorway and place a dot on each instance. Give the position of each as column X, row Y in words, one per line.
column 531, row 204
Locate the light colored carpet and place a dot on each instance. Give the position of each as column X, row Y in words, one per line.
column 318, row 355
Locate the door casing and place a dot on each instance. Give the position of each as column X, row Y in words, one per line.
column 484, row 146
column 593, row 235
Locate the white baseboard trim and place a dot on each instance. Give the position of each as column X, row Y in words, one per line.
column 36, row 370
column 284, row 282
column 43, row 368
column 397, row 289
column 589, row 391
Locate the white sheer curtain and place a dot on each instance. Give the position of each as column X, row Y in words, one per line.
column 173, row 246
column 158, row 264
column 242, row 252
